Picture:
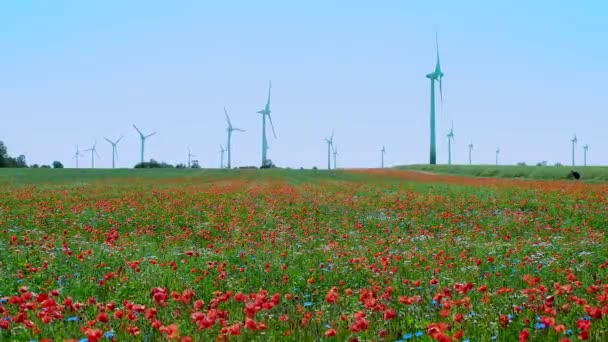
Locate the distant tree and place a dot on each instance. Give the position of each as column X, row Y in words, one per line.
column 3, row 155
column 314, row 168
column 20, row 161
column 57, row 165
column 558, row 164
column 180, row 166
column 543, row 163
column 268, row 165
column 195, row 165
column 521, row 164
column 45, row 166
column 152, row 164
column 35, row 166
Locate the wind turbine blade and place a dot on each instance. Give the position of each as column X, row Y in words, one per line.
column 272, row 125
column 119, row 139
column 108, row 140
column 149, row 135
column 138, row 131
column 269, row 87
column 228, row 118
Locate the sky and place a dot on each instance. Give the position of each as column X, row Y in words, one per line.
column 524, row 76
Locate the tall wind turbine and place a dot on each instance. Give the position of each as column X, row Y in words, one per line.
column 93, row 151
column 230, row 130
column 114, row 148
column 190, row 155
column 266, row 112
column 470, row 151
column 585, row 149
column 436, row 75
column 143, row 140
column 330, row 142
column 222, row 150
column 497, row 153
column 335, row 148
column 574, row 141
column 77, row 155
column 450, row 139
column 383, row 151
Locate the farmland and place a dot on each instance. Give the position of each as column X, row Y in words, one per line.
column 362, row 255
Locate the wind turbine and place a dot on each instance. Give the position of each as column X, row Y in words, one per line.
column 114, row 148
column 222, row 150
column 383, row 151
column 190, row 155
column 585, row 149
column 497, row 152
column 470, row 151
column 450, row 139
column 330, row 142
column 230, row 130
column 436, row 75
column 574, row 141
column 77, row 155
column 335, row 148
column 143, row 140
column 93, row 151
column 266, row 112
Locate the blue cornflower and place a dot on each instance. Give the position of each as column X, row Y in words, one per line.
column 72, row 319
column 434, row 302
column 510, row 317
column 109, row 334
column 540, row 326
column 307, row 303
column 466, row 340
column 569, row 332
column 419, row 333
column 494, row 337
column 326, row 326
column 20, row 281
column 83, row 340
column 587, row 318
column 307, row 296
column 3, row 300
column 407, row 336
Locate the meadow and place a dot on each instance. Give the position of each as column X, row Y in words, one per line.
column 592, row 174
column 278, row 255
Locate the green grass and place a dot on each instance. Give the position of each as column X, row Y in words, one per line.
column 588, row 173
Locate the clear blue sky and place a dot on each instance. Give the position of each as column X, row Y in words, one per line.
column 522, row 75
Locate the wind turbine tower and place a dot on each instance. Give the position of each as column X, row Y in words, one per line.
column 436, row 75
column 93, row 151
column 114, row 149
column 382, row 151
column 574, row 141
column 470, row 152
column 585, row 149
column 266, row 113
column 222, row 150
column 335, row 148
column 450, row 139
column 143, row 140
column 497, row 153
column 77, row 155
column 231, row 129
column 190, row 155
column 330, row 142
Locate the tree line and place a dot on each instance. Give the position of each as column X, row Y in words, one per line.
column 7, row 161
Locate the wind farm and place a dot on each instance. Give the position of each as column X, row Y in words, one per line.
column 382, row 206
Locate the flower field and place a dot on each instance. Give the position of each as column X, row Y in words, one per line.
column 366, row 255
